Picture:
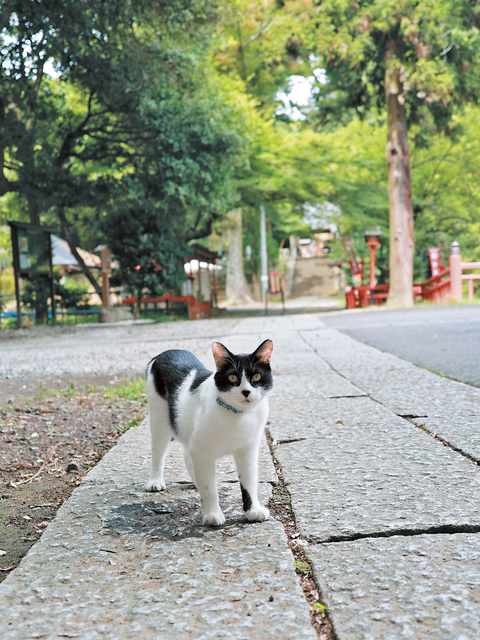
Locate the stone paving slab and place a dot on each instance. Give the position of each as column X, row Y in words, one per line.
column 372, row 473
column 446, row 407
column 343, row 486
column 120, row 563
column 416, row 588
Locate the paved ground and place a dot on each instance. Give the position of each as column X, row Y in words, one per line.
column 444, row 339
column 302, row 304
column 381, row 461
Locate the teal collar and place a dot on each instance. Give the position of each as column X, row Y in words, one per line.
column 225, row 405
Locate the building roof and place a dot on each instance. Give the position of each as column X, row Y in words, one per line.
column 61, row 255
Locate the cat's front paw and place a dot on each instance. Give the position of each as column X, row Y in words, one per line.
column 216, row 518
column 258, row 514
column 155, row 484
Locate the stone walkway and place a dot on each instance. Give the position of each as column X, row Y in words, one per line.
column 381, row 462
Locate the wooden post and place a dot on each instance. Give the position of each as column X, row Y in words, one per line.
column 52, row 283
column 106, row 256
column 16, row 269
column 456, row 287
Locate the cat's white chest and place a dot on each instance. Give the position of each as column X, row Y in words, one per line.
column 206, row 425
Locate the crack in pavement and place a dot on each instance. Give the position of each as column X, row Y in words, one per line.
column 320, row 618
column 408, row 533
column 435, row 436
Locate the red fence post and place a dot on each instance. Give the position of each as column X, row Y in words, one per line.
column 456, row 288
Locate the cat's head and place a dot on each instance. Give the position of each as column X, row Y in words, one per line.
column 242, row 380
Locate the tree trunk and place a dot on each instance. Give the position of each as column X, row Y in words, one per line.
column 237, row 290
column 33, row 210
column 402, row 240
column 78, row 257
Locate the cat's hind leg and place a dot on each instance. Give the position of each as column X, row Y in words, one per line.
column 187, row 458
column 246, row 460
column 161, row 434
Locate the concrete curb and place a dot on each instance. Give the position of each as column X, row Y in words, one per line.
column 120, row 563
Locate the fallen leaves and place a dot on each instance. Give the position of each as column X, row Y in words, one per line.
column 238, row 599
column 48, row 460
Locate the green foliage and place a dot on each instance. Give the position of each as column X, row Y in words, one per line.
column 256, row 42
column 133, row 112
column 149, row 255
column 36, row 295
column 435, row 46
column 73, row 294
column 445, row 187
column 37, row 292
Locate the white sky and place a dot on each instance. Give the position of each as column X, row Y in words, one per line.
column 299, row 94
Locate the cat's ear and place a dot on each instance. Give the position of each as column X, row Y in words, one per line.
column 264, row 351
column 220, row 353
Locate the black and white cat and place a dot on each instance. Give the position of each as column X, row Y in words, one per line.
column 211, row 415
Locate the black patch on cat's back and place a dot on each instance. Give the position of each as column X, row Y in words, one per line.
column 200, row 376
column 169, row 370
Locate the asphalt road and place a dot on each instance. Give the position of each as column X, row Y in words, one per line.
column 444, row 339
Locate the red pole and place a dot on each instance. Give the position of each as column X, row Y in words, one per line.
column 373, row 281
column 373, row 243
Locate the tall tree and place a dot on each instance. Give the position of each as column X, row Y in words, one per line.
column 236, row 287
column 415, row 58
column 129, row 115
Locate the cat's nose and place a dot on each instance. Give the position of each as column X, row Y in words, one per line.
column 246, row 393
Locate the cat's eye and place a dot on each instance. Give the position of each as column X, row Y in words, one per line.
column 256, row 377
column 232, row 377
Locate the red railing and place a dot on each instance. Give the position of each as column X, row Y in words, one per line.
column 470, row 277
column 444, row 287
column 436, row 289
column 196, row 310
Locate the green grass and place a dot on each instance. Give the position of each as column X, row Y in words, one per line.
column 125, row 426
column 131, row 389
column 61, row 320
column 301, row 567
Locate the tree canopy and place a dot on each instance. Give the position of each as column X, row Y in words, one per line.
column 170, row 114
